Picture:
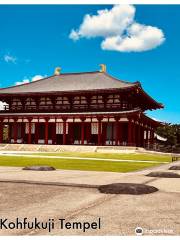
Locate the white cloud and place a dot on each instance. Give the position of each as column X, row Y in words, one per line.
column 33, row 79
column 119, row 30
column 105, row 23
column 24, row 81
column 37, row 77
column 74, row 35
column 9, row 58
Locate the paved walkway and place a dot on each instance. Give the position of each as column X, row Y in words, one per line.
column 120, row 214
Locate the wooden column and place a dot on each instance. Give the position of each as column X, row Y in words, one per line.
column 64, row 131
column 88, row 132
column 37, row 132
column 82, row 131
column 139, row 135
column 130, row 132
column 117, row 131
column 29, row 134
column 134, row 134
column 120, row 133
column 144, row 134
column 104, row 130
column 15, row 130
column 1, row 130
column 70, row 133
column 99, row 131
column 151, row 136
column 22, row 131
column 9, row 131
column 54, row 133
column 147, row 135
column 46, row 130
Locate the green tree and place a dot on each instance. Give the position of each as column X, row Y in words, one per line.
column 171, row 132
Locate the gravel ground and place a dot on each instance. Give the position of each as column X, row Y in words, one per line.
column 157, row 213
column 120, row 214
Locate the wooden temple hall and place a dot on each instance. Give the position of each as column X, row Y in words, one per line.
column 88, row 108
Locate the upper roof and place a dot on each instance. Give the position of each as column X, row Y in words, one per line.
column 70, row 82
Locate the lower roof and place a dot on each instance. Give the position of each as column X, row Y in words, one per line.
column 135, row 112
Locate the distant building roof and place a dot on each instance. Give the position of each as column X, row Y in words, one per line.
column 160, row 138
column 70, row 82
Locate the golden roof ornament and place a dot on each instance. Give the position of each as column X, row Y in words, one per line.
column 103, row 68
column 57, row 71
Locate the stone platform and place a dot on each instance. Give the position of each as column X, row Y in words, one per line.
column 74, row 148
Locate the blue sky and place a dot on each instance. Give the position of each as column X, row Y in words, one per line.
column 35, row 39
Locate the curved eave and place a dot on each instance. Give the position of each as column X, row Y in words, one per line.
column 68, row 92
column 133, row 84
column 154, row 104
column 152, row 121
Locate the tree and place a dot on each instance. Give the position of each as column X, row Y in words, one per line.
column 171, row 132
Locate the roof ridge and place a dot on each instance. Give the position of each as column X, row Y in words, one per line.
column 78, row 73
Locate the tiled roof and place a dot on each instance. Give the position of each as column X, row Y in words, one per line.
column 70, row 82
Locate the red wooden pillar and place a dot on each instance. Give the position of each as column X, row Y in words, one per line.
column 130, row 132
column 54, row 134
column 104, row 130
column 147, row 136
column 46, row 130
column 64, row 131
column 151, row 136
column 134, row 134
column 99, row 131
column 139, row 135
column 15, row 130
column 120, row 133
column 9, row 132
column 1, row 130
column 36, row 132
column 29, row 134
column 117, row 131
column 88, row 132
column 144, row 135
column 22, row 132
column 82, row 131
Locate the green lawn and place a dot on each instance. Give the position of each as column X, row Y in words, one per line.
column 128, row 156
column 90, row 165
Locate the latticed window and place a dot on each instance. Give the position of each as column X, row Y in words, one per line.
column 45, row 103
column 16, row 104
column 97, row 102
column 113, row 98
column 62, row 103
column 30, row 103
column 113, row 101
column 96, row 99
column 79, row 102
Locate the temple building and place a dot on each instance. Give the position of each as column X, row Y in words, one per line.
column 88, row 108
